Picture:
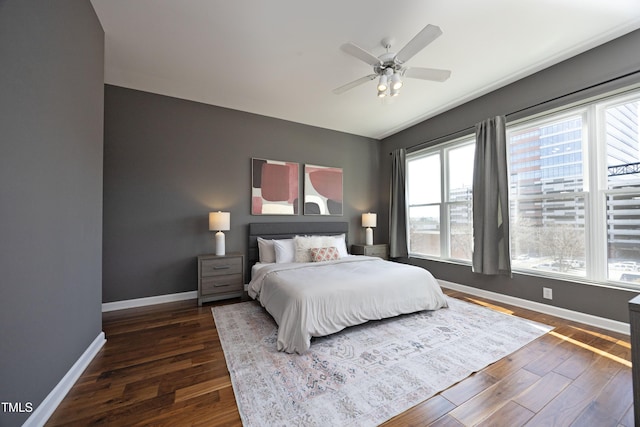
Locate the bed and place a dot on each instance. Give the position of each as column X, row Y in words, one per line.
column 322, row 289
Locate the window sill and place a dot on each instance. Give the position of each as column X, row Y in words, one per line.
column 541, row 274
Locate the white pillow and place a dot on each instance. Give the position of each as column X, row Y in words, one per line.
column 304, row 244
column 339, row 241
column 285, row 250
column 266, row 251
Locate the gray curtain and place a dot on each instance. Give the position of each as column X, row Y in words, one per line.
column 398, row 206
column 491, row 254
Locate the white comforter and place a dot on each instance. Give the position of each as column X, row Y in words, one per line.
column 316, row 299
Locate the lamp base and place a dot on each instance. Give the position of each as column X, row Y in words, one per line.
column 368, row 236
column 219, row 243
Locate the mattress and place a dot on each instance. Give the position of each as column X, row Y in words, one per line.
column 320, row 298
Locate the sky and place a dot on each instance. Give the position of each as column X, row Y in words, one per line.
column 427, row 171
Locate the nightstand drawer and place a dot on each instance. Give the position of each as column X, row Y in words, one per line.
column 221, row 284
column 377, row 250
column 221, row 266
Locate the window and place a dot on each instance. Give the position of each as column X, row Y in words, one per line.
column 574, row 179
column 440, row 201
column 547, row 194
column 573, row 213
column 424, row 204
column 620, row 121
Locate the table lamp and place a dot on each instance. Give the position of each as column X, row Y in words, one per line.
column 220, row 221
column 369, row 221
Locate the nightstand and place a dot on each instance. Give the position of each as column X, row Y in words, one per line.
column 220, row 277
column 381, row 250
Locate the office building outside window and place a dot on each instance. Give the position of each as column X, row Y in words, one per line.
column 547, row 194
column 621, row 123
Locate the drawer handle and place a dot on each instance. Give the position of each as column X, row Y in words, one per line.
column 222, row 267
column 221, row 285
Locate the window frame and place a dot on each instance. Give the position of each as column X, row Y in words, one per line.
column 445, row 202
column 539, row 121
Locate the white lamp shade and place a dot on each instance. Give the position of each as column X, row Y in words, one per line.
column 219, row 221
column 369, row 220
column 382, row 84
column 396, row 82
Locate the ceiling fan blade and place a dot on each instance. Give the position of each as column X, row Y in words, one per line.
column 428, row 74
column 355, row 50
column 419, row 42
column 354, row 83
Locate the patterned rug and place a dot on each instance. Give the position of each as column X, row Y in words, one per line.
column 366, row 374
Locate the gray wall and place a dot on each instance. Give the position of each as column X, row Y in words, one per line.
column 584, row 74
column 51, row 126
column 169, row 162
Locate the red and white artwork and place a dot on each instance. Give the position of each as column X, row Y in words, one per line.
column 274, row 187
column 322, row 190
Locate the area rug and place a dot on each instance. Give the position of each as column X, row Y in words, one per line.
column 366, row 374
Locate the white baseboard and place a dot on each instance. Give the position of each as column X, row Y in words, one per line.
column 141, row 302
column 42, row 413
column 576, row 316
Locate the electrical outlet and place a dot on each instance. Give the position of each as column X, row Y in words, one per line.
column 547, row 293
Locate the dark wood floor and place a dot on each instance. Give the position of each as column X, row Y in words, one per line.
column 163, row 365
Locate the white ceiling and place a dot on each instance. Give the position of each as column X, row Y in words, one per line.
column 282, row 58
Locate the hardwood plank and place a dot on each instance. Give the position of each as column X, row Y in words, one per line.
column 563, row 409
column 627, row 419
column 153, row 354
column 423, row 414
column 595, row 347
column 575, row 365
column 110, row 412
column 201, row 388
column 594, row 416
column 192, row 376
column 517, row 360
column 542, row 392
column 493, row 398
column 516, row 414
column 215, row 409
column 446, row 421
column 145, row 370
column 546, row 363
column 612, row 401
column 598, row 375
column 468, row 388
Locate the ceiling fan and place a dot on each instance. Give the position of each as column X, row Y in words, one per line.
column 390, row 67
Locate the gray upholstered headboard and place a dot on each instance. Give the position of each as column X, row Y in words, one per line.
column 285, row 230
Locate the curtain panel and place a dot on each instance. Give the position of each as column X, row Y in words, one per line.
column 398, row 246
column 491, row 246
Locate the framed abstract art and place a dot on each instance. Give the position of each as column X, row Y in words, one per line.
column 322, row 190
column 274, row 187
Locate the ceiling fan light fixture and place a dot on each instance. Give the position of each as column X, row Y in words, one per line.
column 394, row 92
column 382, row 93
column 396, row 81
column 382, row 84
